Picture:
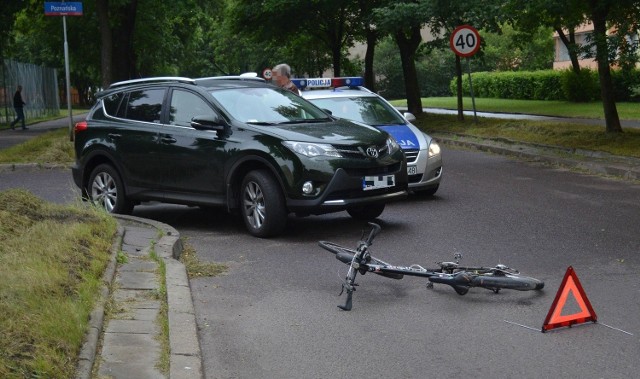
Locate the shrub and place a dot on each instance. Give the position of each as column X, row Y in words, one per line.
column 626, row 84
column 582, row 87
column 523, row 85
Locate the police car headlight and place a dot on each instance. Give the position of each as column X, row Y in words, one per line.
column 392, row 145
column 312, row 149
column 434, row 148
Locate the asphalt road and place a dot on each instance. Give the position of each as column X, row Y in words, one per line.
column 274, row 315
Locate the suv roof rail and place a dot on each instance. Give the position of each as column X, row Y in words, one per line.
column 234, row 77
column 160, row 79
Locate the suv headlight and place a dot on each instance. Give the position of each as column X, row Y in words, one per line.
column 312, row 149
column 434, row 148
column 392, row 145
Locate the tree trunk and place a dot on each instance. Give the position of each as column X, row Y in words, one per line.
column 369, row 76
column 123, row 52
column 336, row 56
column 570, row 44
column 408, row 46
column 599, row 18
column 459, row 88
column 106, row 43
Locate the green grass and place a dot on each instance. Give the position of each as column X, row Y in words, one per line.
column 573, row 136
column 52, row 147
column 626, row 111
column 48, row 282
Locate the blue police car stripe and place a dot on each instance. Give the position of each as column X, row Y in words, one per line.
column 405, row 137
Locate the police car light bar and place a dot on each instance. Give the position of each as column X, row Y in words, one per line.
column 304, row 83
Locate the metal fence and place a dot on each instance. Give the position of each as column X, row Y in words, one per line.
column 39, row 90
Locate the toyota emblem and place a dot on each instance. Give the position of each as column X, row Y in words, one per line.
column 372, row 152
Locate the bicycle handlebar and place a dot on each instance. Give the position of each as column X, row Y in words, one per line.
column 375, row 230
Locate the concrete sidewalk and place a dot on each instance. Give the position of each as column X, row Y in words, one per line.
column 131, row 343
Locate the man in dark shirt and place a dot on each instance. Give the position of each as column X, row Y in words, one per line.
column 18, row 106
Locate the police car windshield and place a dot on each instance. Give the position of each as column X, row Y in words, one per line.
column 369, row 110
column 266, row 106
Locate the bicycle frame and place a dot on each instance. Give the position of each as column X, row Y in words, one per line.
column 460, row 278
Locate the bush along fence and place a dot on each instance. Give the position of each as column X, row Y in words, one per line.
column 549, row 85
column 39, row 90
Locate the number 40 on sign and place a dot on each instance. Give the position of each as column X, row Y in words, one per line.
column 465, row 41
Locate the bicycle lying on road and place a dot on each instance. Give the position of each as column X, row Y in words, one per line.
column 459, row 277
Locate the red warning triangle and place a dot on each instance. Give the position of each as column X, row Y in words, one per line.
column 555, row 318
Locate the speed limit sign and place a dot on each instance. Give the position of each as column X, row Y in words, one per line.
column 465, row 41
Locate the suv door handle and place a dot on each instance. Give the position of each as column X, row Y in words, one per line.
column 114, row 135
column 168, row 139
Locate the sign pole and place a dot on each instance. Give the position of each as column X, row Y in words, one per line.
column 65, row 9
column 473, row 99
column 465, row 42
column 68, row 77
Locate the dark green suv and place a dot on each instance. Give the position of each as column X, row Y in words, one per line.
column 232, row 142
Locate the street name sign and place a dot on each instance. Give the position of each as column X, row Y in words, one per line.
column 63, row 9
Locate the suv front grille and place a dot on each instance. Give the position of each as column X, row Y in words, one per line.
column 361, row 151
column 358, row 172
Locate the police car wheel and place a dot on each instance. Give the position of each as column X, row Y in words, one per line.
column 427, row 192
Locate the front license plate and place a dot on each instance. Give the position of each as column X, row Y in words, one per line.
column 378, row 182
column 412, row 170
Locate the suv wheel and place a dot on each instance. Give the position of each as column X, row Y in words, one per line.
column 366, row 212
column 262, row 204
column 107, row 191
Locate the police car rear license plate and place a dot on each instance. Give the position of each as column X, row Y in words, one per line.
column 378, row 182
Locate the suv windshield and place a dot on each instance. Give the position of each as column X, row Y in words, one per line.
column 266, row 105
column 369, row 110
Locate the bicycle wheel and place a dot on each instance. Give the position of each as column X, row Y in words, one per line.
column 345, row 255
column 512, row 282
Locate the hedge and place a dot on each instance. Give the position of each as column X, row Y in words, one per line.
column 549, row 85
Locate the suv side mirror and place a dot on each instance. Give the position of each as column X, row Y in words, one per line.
column 208, row 122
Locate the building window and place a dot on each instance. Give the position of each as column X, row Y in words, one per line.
column 582, row 39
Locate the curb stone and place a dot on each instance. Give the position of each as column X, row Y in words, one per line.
column 89, row 348
column 185, row 353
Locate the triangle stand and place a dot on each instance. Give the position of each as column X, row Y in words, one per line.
column 555, row 318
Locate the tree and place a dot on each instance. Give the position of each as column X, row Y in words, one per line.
column 117, row 20
column 324, row 23
column 599, row 12
column 612, row 20
column 403, row 20
column 564, row 16
column 7, row 17
column 370, row 35
column 38, row 39
column 512, row 50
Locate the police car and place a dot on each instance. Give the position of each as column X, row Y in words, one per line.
column 347, row 98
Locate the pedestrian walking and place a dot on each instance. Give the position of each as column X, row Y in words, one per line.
column 18, row 106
